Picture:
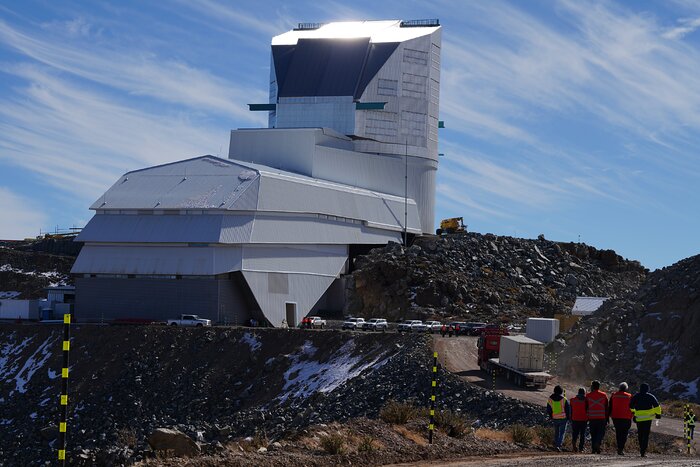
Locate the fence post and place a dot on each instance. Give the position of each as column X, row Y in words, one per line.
column 63, row 423
column 433, row 390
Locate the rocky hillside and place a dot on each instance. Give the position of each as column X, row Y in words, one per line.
column 213, row 384
column 651, row 336
column 485, row 277
column 30, row 266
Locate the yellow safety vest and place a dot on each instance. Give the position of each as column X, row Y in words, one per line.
column 646, row 414
column 558, row 408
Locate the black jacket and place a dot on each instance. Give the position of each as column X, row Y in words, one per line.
column 644, row 401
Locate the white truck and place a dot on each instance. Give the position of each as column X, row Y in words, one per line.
column 189, row 320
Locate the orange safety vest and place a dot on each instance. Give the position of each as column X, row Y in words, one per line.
column 597, row 405
column 578, row 409
column 558, row 408
column 620, row 403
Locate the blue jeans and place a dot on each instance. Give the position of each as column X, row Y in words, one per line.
column 559, row 430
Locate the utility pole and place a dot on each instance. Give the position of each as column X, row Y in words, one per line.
column 405, row 199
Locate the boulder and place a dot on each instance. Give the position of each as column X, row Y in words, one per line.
column 175, row 441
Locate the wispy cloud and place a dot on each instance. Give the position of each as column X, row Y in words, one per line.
column 687, row 26
column 79, row 140
column 23, row 218
column 143, row 74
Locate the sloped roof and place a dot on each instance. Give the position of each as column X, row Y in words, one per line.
column 587, row 305
column 211, row 185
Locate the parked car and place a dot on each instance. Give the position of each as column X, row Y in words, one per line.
column 410, row 325
column 433, row 326
column 353, row 323
column 375, row 324
column 313, row 322
column 189, row 320
column 474, row 329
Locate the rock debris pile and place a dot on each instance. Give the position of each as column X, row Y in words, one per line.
column 650, row 336
column 212, row 385
column 485, row 277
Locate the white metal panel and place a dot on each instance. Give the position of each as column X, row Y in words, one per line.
column 202, row 183
column 542, row 329
column 157, row 260
column 283, row 149
column 19, row 309
column 313, row 230
column 377, row 31
column 303, row 289
column 325, row 260
column 587, row 305
column 288, row 194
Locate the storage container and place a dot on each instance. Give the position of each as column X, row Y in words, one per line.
column 521, row 353
column 542, row 329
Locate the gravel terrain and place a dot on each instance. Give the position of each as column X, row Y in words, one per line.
column 485, row 278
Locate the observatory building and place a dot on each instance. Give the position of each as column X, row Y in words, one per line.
column 348, row 163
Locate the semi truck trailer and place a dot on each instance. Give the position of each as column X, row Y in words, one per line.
column 518, row 358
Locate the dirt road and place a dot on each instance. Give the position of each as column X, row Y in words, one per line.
column 458, row 355
column 557, row 460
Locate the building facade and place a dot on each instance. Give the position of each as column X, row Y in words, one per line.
column 347, row 164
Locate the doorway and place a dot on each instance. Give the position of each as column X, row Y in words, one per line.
column 291, row 314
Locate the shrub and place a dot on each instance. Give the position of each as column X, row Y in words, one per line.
column 366, row 444
column 545, row 434
column 398, row 413
column 333, row 443
column 521, row 434
column 455, row 425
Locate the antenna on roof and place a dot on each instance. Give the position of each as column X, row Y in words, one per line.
column 308, row 26
column 420, row 23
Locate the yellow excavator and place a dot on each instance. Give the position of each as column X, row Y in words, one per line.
column 451, row 226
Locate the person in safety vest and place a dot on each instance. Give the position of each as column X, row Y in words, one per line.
column 559, row 412
column 443, row 330
column 689, row 420
column 645, row 408
column 579, row 419
column 597, row 415
column 619, row 410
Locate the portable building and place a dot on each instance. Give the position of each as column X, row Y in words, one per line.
column 521, row 353
column 542, row 329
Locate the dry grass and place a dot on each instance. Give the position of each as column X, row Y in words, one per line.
column 127, row 437
column 676, row 408
column 418, row 438
column 521, row 434
column 399, row 413
column 333, row 443
column 494, row 435
column 367, row 444
column 454, row 425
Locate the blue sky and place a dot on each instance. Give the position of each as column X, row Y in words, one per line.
column 566, row 118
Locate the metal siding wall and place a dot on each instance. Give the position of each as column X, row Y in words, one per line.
column 337, row 112
column 99, row 259
column 312, row 230
column 158, row 299
column 325, row 260
column 106, row 299
column 290, row 150
column 304, row 290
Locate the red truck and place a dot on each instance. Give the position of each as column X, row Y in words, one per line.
column 522, row 361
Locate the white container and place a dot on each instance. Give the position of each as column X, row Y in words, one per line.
column 521, row 353
column 19, row 309
column 542, row 329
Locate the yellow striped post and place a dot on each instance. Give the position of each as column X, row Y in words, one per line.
column 433, row 389
column 63, row 423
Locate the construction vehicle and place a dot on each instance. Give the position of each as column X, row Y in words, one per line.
column 518, row 358
column 451, row 226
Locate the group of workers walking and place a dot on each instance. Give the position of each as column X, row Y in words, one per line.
column 594, row 410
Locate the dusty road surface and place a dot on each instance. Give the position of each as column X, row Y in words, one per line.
column 458, row 355
column 564, row 459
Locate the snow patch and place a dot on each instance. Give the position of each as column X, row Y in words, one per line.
column 252, row 341
column 306, row 377
column 640, row 343
column 32, row 365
